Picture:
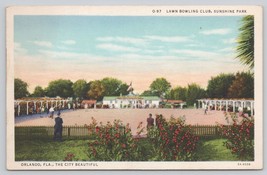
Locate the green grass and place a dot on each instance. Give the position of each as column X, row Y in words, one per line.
column 214, row 150
column 50, row 151
column 210, row 150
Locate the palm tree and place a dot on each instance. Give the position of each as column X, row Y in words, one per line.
column 245, row 40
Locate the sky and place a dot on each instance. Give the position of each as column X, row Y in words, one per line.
column 135, row 49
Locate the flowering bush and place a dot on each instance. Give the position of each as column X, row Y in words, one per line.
column 70, row 157
column 113, row 142
column 173, row 140
column 240, row 136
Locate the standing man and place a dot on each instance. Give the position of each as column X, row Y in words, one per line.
column 150, row 121
column 51, row 110
column 58, row 128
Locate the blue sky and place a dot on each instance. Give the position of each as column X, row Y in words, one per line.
column 131, row 48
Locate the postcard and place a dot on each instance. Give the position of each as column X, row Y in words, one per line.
column 134, row 87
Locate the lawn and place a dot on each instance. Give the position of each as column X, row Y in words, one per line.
column 209, row 150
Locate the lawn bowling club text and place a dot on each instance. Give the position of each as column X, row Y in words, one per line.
column 61, row 164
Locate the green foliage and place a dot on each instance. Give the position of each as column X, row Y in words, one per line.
column 60, row 87
column 20, row 88
column 194, row 92
column 114, row 142
column 160, row 86
column 172, row 140
column 240, row 137
column 38, row 92
column 242, row 86
column 113, row 87
column 245, row 40
column 80, row 88
column 96, row 90
column 178, row 93
column 148, row 93
column 218, row 86
column 123, row 89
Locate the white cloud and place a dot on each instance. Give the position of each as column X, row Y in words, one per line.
column 69, row 42
column 222, row 31
column 129, row 40
column 114, row 47
column 57, row 54
column 229, row 41
column 43, row 43
column 196, row 53
column 172, row 39
column 227, row 49
column 19, row 49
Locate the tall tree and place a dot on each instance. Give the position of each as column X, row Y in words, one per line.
column 178, row 93
column 242, row 86
column 112, row 86
column 148, row 93
column 194, row 92
column 123, row 89
column 218, row 86
column 62, row 88
column 38, row 92
column 80, row 88
column 96, row 90
column 20, row 88
column 160, row 86
column 245, row 40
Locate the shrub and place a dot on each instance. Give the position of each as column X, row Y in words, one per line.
column 240, row 136
column 173, row 140
column 113, row 142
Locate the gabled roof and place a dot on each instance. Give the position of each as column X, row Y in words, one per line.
column 150, row 97
column 89, row 102
column 108, row 98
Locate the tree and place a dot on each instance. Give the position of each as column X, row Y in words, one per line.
column 112, row 86
column 62, row 88
column 194, row 92
column 178, row 93
column 80, row 88
column 96, row 90
column 123, row 89
column 160, row 86
column 148, row 93
column 38, row 92
column 20, row 88
column 218, row 86
column 245, row 40
column 242, row 86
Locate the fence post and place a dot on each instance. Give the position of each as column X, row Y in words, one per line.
column 68, row 132
column 216, row 131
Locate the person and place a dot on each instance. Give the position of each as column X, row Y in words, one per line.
column 150, row 121
column 58, row 128
column 51, row 110
column 206, row 110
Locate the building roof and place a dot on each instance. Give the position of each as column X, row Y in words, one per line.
column 150, row 97
column 89, row 102
column 174, row 101
column 108, row 98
